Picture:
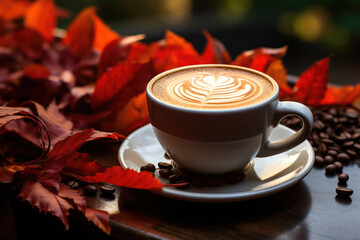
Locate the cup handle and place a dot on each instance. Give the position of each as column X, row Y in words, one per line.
column 283, row 109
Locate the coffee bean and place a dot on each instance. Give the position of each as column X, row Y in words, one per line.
column 90, row 190
column 165, row 173
column 328, row 118
column 164, row 165
column 73, row 185
column 319, row 125
column 355, row 136
column 150, row 167
column 328, row 142
column 107, row 189
column 351, row 113
column 339, row 166
column 343, row 157
column 319, row 161
column 357, row 147
column 351, row 153
column 332, row 152
column 344, row 192
column 330, row 169
column 343, row 178
column 328, row 159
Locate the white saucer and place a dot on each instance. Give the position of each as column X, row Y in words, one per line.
column 265, row 176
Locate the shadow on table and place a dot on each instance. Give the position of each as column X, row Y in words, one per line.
column 280, row 214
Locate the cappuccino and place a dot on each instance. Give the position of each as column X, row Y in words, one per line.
column 209, row 87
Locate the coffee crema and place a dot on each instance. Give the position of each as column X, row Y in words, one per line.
column 212, row 88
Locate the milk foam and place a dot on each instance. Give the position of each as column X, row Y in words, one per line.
column 213, row 88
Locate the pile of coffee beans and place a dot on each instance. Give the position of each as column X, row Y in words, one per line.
column 106, row 190
column 184, row 179
column 335, row 139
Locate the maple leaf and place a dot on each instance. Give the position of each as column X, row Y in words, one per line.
column 277, row 71
column 41, row 17
column 118, row 50
column 312, row 84
column 125, row 178
column 121, row 83
column 99, row 218
column 174, row 51
column 63, row 151
column 246, row 58
column 215, row 51
column 88, row 31
column 341, row 95
column 132, row 116
column 56, row 204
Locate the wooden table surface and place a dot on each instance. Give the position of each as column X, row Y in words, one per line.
column 308, row 210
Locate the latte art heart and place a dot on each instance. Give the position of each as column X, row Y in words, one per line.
column 206, row 89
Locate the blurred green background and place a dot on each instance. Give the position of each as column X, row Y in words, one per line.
column 311, row 29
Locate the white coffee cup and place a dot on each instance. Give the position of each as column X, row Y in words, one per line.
column 216, row 141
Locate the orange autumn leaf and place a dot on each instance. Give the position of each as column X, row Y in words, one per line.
column 100, row 218
column 80, row 33
column 341, row 95
column 133, row 115
column 174, row 51
column 215, row 51
column 312, row 84
column 103, row 34
column 13, row 9
column 246, row 58
column 277, row 71
column 41, row 17
column 88, row 31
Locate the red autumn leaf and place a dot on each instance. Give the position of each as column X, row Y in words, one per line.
column 36, row 71
column 174, row 51
column 125, row 178
column 132, row 116
column 260, row 62
column 246, row 58
column 58, row 126
column 341, row 95
column 123, row 81
column 13, row 9
column 80, row 33
column 56, row 204
column 277, row 71
column 88, row 31
column 103, row 34
column 117, row 51
column 41, row 17
column 82, row 165
column 66, row 149
column 215, row 51
column 99, row 218
column 311, row 85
